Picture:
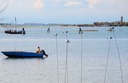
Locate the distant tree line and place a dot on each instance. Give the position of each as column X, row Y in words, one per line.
column 79, row 25
column 111, row 23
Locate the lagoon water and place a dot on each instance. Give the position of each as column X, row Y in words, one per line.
column 94, row 50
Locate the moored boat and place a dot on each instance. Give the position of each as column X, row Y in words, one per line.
column 23, row 54
column 15, row 31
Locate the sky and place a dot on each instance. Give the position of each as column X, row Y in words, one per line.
column 63, row 11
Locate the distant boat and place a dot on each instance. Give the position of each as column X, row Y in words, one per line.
column 23, row 54
column 15, row 31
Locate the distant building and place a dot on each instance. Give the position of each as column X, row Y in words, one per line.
column 121, row 19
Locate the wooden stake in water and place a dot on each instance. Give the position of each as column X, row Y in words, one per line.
column 106, row 66
column 81, row 32
column 119, row 56
column 66, row 65
column 57, row 59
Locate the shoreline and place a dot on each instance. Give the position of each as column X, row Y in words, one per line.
column 47, row 26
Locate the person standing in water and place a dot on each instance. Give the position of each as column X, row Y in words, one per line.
column 48, row 30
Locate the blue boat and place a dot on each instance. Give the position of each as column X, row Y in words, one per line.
column 23, row 54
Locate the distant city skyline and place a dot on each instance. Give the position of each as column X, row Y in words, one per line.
column 63, row 11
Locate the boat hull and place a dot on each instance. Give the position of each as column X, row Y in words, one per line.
column 15, row 31
column 22, row 54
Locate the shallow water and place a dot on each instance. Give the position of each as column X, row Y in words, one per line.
column 95, row 49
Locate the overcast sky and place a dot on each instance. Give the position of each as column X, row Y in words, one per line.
column 63, row 11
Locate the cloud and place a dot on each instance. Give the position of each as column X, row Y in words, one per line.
column 107, row 3
column 119, row 3
column 92, row 3
column 57, row 0
column 70, row 3
column 38, row 4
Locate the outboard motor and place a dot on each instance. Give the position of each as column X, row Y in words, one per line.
column 42, row 51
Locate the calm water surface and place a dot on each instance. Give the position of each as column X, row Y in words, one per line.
column 95, row 51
